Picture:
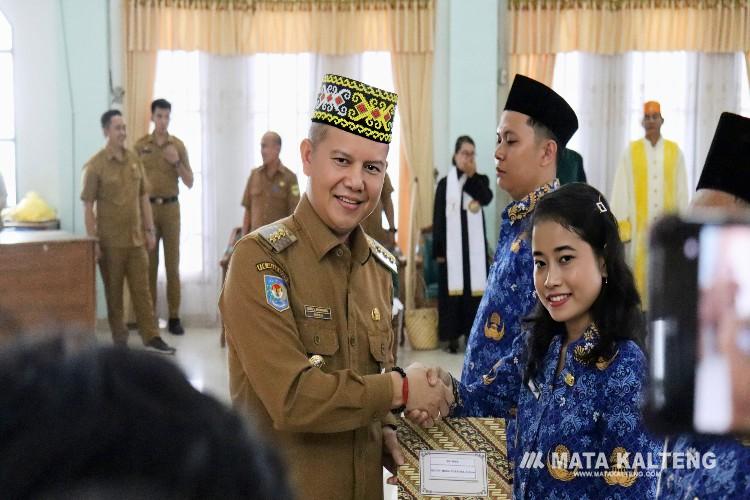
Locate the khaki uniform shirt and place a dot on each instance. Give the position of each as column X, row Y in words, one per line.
column 270, row 199
column 294, row 294
column 162, row 175
column 116, row 187
column 373, row 224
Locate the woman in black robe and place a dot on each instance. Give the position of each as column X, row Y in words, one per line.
column 456, row 312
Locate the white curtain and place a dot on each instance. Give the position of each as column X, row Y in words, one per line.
column 226, row 133
column 712, row 94
column 608, row 93
column 350, row 65
column 595, row 86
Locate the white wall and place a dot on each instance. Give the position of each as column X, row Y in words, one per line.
column 35, row 25
column 50, row 151
column 465, row 86
column 57, row 117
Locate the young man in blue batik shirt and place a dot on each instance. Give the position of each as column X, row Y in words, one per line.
column 534, row 128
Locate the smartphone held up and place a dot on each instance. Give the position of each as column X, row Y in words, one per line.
column 699, row 325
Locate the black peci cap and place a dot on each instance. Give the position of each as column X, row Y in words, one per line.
column 727, row 166
column 544, row 105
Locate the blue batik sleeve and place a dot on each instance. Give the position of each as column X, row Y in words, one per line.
column 625, row 435
column 495, row 394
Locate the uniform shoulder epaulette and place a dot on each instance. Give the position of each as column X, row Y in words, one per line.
column 277, row 235
column 383, row 255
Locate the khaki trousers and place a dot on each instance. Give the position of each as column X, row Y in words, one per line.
column 167, row 226
column 116, row 264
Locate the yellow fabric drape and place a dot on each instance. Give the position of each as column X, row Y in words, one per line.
column 249, row 27
column 540, row 67
column 141, row 71
column 413, row 78
column 614, row 27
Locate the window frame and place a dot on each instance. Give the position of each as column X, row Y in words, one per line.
column 11, row 182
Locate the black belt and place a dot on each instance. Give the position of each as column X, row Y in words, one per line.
column 161, row 201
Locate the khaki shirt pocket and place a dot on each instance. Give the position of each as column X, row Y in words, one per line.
column 256, row 189
column 113, row 190
column 379, row 343
column 277, row 191
column 318, row 338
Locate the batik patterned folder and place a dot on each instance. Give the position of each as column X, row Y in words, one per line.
column 456, row 434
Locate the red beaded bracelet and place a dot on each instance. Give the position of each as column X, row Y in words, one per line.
column 404, row 390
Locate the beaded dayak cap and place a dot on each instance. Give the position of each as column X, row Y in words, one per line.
column 355, row 107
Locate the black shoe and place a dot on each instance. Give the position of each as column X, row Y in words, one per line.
column 452, row 346
column 132, row 326
column 175, row 327
column 158, row 345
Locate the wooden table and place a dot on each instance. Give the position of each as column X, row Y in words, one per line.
column 48, row 281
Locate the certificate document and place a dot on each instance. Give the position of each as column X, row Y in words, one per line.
column 461, row 458
column 453, row 473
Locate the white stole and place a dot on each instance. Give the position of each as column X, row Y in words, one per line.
column 455, row 200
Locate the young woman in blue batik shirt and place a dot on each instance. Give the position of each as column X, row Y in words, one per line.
column 576, row 377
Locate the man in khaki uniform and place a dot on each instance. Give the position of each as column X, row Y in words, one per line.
column 373, row 224
column 272, row 191
column 118, row 213
column 165, row 162
column 306, row 307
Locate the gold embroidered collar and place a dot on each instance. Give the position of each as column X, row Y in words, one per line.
column 590, row 338
column 520, row 209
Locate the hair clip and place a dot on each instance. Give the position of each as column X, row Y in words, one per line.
column 600, row 205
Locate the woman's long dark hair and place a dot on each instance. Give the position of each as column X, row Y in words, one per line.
column 616, row 311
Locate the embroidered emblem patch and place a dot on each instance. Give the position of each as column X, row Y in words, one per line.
column 276, row 293
column 494, row 328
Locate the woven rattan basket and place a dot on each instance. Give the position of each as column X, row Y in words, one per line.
column 421, row 328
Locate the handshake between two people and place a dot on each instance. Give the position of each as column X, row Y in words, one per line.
column 431, row 394
column 426, row 395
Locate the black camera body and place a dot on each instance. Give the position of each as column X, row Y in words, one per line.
column 693, row 368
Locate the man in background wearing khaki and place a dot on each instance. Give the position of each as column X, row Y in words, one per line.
column 373, row 224
column 272, row 192
column 118, row 212
column 165, row 162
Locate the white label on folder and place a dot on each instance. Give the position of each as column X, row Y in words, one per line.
column 452, row 473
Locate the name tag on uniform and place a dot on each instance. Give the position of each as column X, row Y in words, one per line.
column 317, row 312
